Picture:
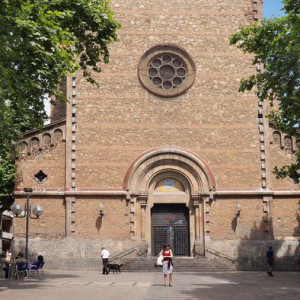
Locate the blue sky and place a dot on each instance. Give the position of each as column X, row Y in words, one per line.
column 272, row 8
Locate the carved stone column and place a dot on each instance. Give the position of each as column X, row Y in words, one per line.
column 143, row 204
column 143, row 245
column 199, row 227
column 197, row 220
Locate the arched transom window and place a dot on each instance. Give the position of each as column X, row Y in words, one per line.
column 169, row 185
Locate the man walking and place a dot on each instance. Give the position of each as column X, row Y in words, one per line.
column 270, row 260
column 105, row 255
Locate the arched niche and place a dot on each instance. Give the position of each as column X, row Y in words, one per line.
column 46, row 140
column 277, row 138
column 58, row 135
column 35, row 144
column 288, row 143
column 23, row 148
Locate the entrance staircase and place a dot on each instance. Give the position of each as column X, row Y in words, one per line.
column 181, row 264
column 133, row 261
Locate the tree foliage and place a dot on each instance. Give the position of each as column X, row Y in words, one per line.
column 275, row 44
column 41, row 42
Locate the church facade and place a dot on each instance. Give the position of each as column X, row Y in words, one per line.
column 166, row 150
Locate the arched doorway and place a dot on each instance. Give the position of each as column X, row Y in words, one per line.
column 164, row 182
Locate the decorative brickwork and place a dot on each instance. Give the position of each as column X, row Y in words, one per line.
column 74, row 127
column 284, row 141
column 36, row 143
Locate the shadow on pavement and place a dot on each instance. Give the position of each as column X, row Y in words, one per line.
column 240, row 285
column 59, row 276
column 22, row 286
column 34, row 283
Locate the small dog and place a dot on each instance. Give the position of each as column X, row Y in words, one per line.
column 114, row 267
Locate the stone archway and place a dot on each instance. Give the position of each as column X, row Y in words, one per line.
column 186, row 167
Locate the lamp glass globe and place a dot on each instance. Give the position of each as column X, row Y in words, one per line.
column 37, row 210
column 16, row 209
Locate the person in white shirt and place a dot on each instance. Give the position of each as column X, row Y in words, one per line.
column 105, row 255
column 7, row 263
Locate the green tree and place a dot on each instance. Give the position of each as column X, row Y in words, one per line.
column 41, row 42
column 275, row 44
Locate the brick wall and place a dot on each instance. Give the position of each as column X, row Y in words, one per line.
column 286, row 217
column 52, row 163
column 226, row 225
column 50, row 226
column 279, row 157
column 121, row 119
column 115, row 225
column 58, row 111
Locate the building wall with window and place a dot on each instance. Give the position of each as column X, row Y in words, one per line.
column 167, row 145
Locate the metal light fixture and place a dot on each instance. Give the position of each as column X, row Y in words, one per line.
column 19, row 213
column 37, row 211
column 16, row 209
column 101, row 206
column 238, row 209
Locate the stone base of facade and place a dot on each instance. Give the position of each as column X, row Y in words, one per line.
column 251, row 255
column 73, row 254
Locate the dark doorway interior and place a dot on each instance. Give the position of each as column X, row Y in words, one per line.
column 170, row 225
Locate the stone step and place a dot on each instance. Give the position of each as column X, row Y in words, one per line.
column 180, row 265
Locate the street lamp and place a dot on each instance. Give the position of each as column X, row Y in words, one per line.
column 238, row 209
column 101, row 206
column 18, row 212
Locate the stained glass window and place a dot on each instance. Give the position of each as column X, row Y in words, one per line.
column 169, row 185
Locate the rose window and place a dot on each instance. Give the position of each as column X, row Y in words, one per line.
column 166, row 70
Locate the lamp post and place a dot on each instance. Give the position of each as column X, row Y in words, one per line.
column 17, row 211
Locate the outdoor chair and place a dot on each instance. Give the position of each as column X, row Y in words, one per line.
column 21, row 270
column 33, row 270
column 2, row 272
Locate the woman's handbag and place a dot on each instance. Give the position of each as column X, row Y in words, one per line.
column 160, row 260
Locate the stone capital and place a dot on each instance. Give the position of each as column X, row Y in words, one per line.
column 143, row 196
column 143, row 203
column 197, row 202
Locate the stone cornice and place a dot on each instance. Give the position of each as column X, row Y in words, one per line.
column 123, row 193
column 260, row 192
column 73, row 193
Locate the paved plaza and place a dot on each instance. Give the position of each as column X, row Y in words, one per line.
column 64, row 285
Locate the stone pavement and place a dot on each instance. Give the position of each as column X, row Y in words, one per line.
column 73, row 285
